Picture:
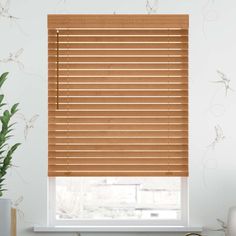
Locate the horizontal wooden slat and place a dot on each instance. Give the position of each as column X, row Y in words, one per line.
column 110, row 59
column 112, row 39
column 118, row 113
column 112, row 21
column 117, row 72
column 118, row 173
column 122, row 79
column 117, row 167
column 119, row 161
column 117, row 147
column 131, row 93
column 167, row 32
column 153, row 45
column 161, row 86
column 109, row 120
column 113, row 107
column 83, row 66
column 127, row 100
column 89, row 126
column 119, row 52
column 120, row 153
column 107, row 133
column 61, row 140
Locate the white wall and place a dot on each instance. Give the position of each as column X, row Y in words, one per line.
column 212, row 187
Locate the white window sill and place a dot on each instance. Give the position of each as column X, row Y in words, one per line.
column 89, row 229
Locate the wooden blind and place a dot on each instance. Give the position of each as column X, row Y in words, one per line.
column 118, row 95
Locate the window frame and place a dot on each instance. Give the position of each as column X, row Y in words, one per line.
column 52, row 221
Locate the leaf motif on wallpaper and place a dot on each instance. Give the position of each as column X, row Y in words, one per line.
column 5, row 10
column 223, row 227
column 209, row 161
column 29, row 123
column 217, row 104
column 152, row 6
column 14, row 58
column 224, row 81
column 5, row 14
column 219, row 136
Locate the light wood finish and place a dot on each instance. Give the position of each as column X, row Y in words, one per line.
column 119, row 92
column 61, row 140
column 112, row 39
column 121, row 120
column 13, row 221
column 114, row 32
column 119, row 133
column 120, row 154
column 117, row 45
column 119, row 100
column 118, row 95
column 127, row 66
column 120, row 59
column 55, row 173
column 121, row 52
column 111, row 21
column 118, row 126
column 123, row 79
column 119, row 86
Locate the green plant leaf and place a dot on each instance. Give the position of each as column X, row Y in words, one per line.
column 1, row 98
column 14, row 108
column 9, row 130
column 6, row 153
column 4, row 145
column 3, row 78
column 6, row 113
column 15, row 146
column 11, row 125
column 6, row 138
column 7, row 161
column 3, row 104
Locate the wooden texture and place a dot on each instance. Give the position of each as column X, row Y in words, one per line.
column 118, row 95
column 111, row 21
column 13, row 221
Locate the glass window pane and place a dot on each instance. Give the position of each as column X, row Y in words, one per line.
column 118, row 198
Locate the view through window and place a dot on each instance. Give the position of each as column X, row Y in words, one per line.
column 118, row 198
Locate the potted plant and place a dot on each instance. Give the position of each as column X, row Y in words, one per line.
column 6, row 154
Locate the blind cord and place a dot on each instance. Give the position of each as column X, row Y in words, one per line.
column 57, row 69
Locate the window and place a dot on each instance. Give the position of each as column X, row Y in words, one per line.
column 149, row 200
column 118, row 117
